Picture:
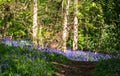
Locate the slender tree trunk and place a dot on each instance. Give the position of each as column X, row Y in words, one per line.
column 35, row 25
column 39, row 36
column 6, row 28
column 65, row 22
column 75, row 39
column 62, row 8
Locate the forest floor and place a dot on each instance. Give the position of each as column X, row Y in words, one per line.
column 75, row 68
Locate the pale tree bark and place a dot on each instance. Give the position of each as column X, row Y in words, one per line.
column 6, row 28
column 35, row 25
column 65, row 23
column 75, row 38
column 62, row 7
column 40, row 37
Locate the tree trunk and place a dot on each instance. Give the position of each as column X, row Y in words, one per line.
column 39, row 37
column 6, row 28
column 62, row 8
column 75, row 39
column 65, row 23
column 35, row 26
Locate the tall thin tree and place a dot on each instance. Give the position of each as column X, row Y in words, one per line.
column 75, row 38
column 35, row 25
column 65, row 23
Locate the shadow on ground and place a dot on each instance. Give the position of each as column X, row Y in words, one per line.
column 75, row 68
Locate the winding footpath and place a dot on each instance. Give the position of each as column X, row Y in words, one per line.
column 75, row 68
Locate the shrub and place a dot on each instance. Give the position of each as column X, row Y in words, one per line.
column 108, row 67
column 3, row 49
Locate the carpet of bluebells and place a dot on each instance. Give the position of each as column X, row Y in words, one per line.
column 72, row 55
column 20, row 58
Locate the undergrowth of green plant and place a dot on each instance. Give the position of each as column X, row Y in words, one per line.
column 17, row 61
column 107, row 67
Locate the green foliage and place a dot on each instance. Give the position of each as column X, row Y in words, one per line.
column 18, row 17
column 111, row 17
column 3, row 50
column 109, row 67
column 22, row 61
column 6, row 0
column 98, row 22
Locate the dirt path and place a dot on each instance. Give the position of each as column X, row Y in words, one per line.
column 75, row 68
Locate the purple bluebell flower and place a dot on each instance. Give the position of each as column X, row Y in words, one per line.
column 78, row 55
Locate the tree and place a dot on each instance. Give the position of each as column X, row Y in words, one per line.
column 65, row 23
column 35, row 25
column 75, row 37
